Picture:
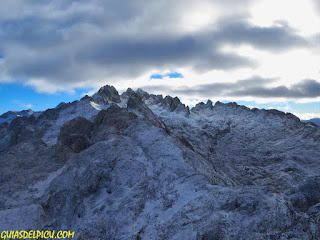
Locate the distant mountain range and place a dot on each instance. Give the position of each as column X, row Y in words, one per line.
column 314, row 120
column 9, row 116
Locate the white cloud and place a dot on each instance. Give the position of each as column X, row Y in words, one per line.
column 307, row 116
column 43, row 86
column 299, row 14
column 89, row 93
column 29, row 106
column 22, row 104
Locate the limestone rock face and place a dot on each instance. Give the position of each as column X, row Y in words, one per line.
column 111, row 123
column 107, row 94
column 75, row 134
column 26, row 218
column 174, row 104
column 140, row 166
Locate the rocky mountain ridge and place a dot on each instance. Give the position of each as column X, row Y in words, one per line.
column 9, row 116
column 313, row 120
column 140, row 166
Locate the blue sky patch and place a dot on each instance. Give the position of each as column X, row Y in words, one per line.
column 156, row 76
column 170, row 75
column 15, row 96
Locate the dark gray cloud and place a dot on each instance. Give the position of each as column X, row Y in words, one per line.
column 317, row 5
column 175, row 52
column 123, row 57
column 72, row 42
column 305, row 89
column 275, row 38
column 316, row 43
column 254, row 87
column 213, row 89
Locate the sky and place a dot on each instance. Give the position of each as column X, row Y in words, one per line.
column 258, row 53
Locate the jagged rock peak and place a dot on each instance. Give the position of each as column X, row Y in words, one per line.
column 127, row 94
column 23, row 112
column 107, row 94
column 139, row 96
column 175, row 105
column 209, row 102
column 283, row 114
column 9, row 116
column 201, row 105
column 85, row 98
column 144, row 95
column 277, row 113
column 134, row 100
column 263, row 112
column 228, row 105
column 130, row 91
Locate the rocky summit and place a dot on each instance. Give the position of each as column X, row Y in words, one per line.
column 139, row 166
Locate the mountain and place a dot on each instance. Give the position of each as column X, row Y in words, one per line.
column 9, row 116
column 140, row 166
column 313, row 120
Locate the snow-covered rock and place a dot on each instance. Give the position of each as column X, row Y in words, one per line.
column 9, row 116
column 140, row 166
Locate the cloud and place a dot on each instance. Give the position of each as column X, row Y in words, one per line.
column 316, row 43
column 253, row 87
column 53, row 45
column 305, row 89
column 317, row 4
column 218, row 88
column 22, row 104
column 307, row 116
column 279, row 37
column 80, row 58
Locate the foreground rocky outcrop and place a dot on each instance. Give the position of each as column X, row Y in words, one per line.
column 140, row 166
